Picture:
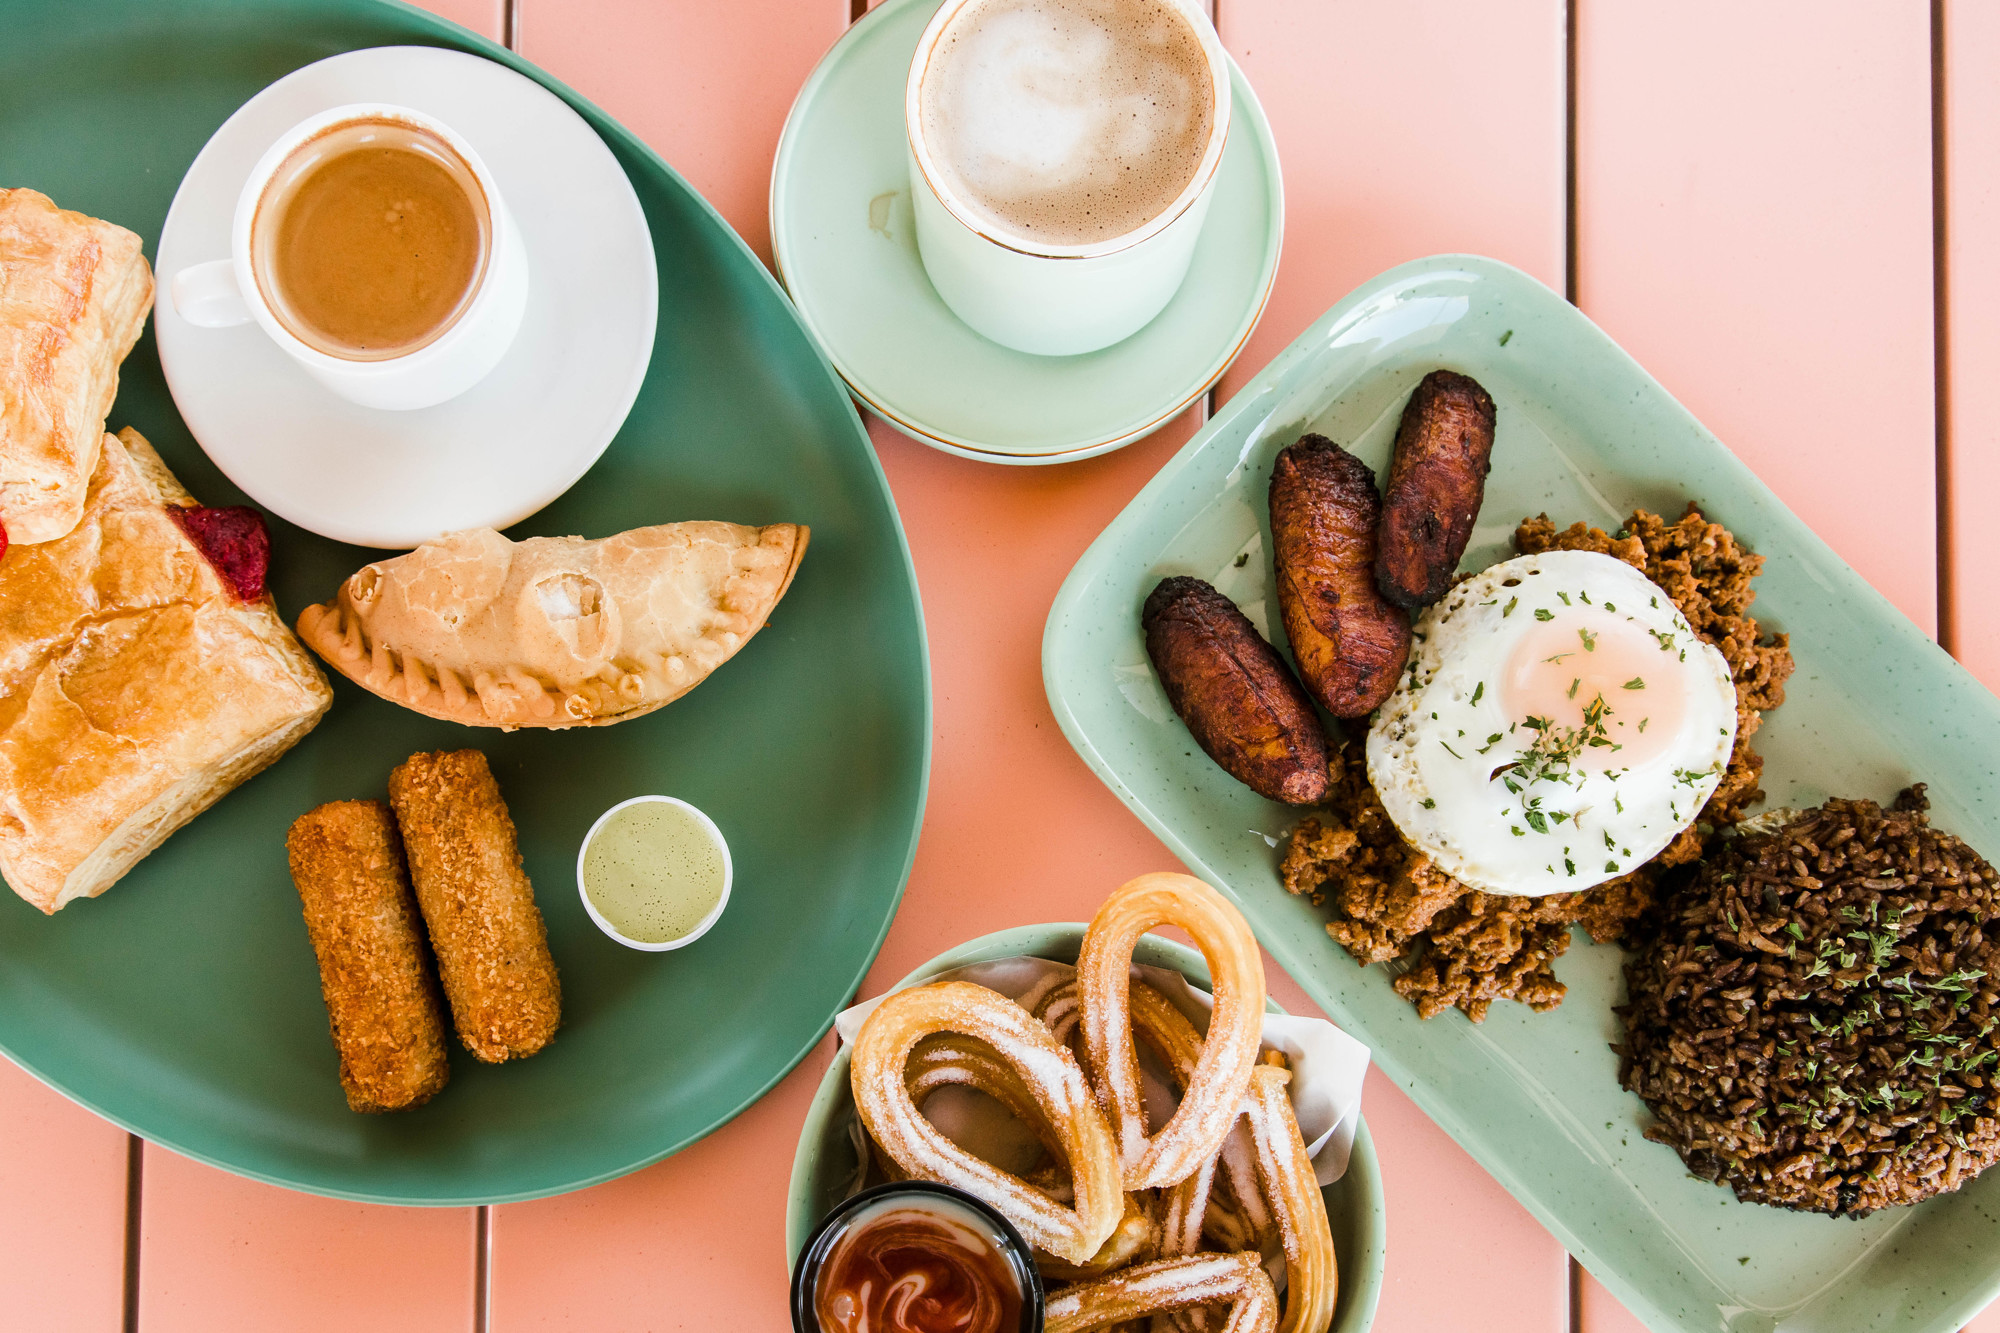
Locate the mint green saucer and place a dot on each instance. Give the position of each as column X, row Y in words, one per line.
column 826, row 1161
column 847, row 251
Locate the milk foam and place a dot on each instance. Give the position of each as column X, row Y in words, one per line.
column 1067, row 121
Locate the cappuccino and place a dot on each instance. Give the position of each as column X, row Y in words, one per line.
column 1067, row 122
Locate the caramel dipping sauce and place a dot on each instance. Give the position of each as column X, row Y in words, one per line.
column 916, row 1263
column 371, row 239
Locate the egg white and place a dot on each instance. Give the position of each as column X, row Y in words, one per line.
column 1435, row 745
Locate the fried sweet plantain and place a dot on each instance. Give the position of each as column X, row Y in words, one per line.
column 1243, row 704
column 1350, row 644
column 1437, row 477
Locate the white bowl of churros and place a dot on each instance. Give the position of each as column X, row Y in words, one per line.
column 1109, row 1232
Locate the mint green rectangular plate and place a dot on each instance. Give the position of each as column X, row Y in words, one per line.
column 1583, row 433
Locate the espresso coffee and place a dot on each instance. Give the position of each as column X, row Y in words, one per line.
column 371, row 239
column 1067, row 122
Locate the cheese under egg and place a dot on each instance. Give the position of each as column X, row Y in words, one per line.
column 1558, row 724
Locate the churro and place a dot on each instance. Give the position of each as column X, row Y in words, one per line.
column 1212, row 1098
column 1172, row 1284
column 1292, row 1190
column 1046, row 1070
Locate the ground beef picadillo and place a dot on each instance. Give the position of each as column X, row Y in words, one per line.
column 1465, row 948
column 1812, row 1019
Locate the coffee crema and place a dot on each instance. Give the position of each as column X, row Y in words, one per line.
column 1067, row 122
column 371, row 239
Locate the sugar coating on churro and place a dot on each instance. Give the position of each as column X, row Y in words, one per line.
column 1046, row 1071
column 1213, row 1094
column 492, row 947
column 382, row 1003
column 1171, row 1284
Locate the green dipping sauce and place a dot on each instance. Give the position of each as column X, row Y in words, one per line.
column 654, row 871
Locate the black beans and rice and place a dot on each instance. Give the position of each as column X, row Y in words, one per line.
column 1813, row 1020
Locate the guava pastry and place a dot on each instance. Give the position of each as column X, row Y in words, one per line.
column 555, row 631
column 74, row 293
column 144, row 675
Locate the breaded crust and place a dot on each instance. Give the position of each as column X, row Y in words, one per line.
column 1437, row 479
column 1242, row 703
column 1349, row 643
column 492, row 948
column 381, row 1000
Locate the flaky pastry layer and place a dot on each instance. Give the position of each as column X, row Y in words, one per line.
column 135, row 689
column 74, row 292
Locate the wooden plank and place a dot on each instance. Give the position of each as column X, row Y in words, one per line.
column 1754, row 225
column 62, row 1211
column 1408, row 130
column 486, row 17
column 700, row 1235
column 707, row 85
column 1598, row 1311
column 696, row 1242
column 1972, row 339
column 1971, row 268
column 231, row 1248
column 218, row 1251
column 1405, row 130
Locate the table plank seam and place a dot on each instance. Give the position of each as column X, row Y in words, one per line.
column 135, row 1177
column 1947, row 613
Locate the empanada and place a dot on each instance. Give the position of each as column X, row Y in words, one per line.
column 74, row 293
column 555, row 631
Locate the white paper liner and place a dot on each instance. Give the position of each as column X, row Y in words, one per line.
column 1328, row 1069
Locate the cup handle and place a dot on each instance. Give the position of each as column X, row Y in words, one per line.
column 207, row 296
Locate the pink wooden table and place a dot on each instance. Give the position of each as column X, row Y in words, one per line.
column 1785, row 211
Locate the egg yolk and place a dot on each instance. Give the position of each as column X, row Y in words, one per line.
column 1582, row 654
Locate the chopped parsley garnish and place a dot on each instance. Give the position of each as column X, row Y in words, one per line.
column 1430, row 804
column 1478, row 690
column 1448, row 750
column 1543, row 613
column 1589, row 640
column 1666, row 639
column 1636, row 683
column 1508, row 609
column 1574, row 682
column 1505, row 337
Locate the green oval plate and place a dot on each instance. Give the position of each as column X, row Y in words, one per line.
column 825, row 1162
column 184, row 1004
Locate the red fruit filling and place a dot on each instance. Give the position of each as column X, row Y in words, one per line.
column 235, row 542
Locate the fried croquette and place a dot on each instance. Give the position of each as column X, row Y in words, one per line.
column 492, row 947
column 382, row 1000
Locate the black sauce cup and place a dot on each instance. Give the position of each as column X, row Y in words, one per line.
column 1014, row 1250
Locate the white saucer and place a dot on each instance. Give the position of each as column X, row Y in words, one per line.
column 845, row 243
column 509, row 445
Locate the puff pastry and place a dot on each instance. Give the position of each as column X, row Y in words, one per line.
column 74, row 293
column 555, row 631
column 136, row 689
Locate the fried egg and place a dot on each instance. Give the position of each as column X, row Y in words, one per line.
column 1558, row 724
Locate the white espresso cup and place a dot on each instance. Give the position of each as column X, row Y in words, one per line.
column 1050, row 299
column 224, row 293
